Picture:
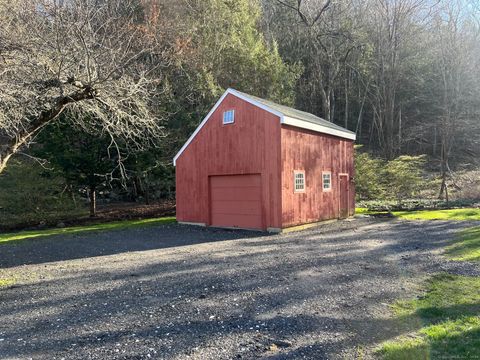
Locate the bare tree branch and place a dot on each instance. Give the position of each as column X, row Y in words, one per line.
column 90, row 58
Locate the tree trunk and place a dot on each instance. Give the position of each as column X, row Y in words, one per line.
column 134, row 193
column 147, row 193
column 444, row 188
column 332, row 105
column 93, row 201
column 444, row 169
column 5, row 155
column 11, row 148
column 400, row 131
column 325, row 97
column 347, row 86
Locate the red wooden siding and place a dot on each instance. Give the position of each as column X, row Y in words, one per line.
column 249, row 146
column 314, row 153
column 236, row 201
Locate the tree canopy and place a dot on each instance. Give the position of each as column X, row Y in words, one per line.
column 141, row 74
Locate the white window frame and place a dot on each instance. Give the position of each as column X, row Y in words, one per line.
column 226, row 115
column 300, row 189
column 329, row 174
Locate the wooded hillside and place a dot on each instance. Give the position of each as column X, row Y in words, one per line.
column 134, row 78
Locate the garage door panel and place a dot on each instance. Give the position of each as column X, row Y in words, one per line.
column 241, row 207
column 236, row 181
column 232, row 194
column 245, row 221
column 236, row 201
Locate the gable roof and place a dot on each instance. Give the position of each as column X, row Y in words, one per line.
column 287, row 115
column 298, row 114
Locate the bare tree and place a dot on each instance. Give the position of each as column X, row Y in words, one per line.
column 91, row 58
column 456, row 41
column 327, row 41
column 395, row 28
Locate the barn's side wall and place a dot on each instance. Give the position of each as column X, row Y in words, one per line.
column 249, row 146
column 313, row 153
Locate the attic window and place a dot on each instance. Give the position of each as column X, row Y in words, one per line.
column 229, row 117
column 299, row 181
column 327, row 181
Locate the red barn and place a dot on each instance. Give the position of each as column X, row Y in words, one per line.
column 255, row 164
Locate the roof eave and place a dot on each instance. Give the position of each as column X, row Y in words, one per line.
column 318, row 128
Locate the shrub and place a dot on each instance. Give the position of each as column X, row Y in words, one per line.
column 31, row 195
column 368, row 176
column 404, row 176
column 376, row 179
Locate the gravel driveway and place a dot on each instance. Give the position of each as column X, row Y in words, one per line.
column 180, row 292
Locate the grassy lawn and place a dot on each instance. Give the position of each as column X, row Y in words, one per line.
column 361, row 211
column 118, row 225
column 471, row 214
column 446, row 322
column 466, row 246
column 466, row 214
column 6, row 282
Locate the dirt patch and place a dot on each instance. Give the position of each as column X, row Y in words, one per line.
column 105, row 213
column 129, row 211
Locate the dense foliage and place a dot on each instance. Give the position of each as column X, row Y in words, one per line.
column 31, row 194
column 404, row 75
column 397, row 179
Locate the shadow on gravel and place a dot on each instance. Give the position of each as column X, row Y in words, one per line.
column 92, row 244
column 177, row 306
column 315, row 291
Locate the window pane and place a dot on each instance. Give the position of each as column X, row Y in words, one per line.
column 327, row 181
column 299, row 181
column 229, row 117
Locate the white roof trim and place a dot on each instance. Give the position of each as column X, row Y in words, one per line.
column 317, row 127
column 283, row 120
column 256, row 103
column 199, row 127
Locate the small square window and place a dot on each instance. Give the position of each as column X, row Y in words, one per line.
column 327, row 181
column 229, row 117
column 299, row 181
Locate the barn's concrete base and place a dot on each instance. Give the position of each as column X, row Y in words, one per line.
column 192, row 223
column 271, row 229
column 307, row 226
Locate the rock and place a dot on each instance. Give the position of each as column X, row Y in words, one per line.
column 273, row 347
column 61, row 224
column 283, row 343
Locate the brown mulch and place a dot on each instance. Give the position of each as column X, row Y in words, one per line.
column 105, row 213
column 124, row 211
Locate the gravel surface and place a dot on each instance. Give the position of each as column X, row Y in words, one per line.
column 180, row 292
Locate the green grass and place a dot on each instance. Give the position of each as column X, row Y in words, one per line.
column 471, row 214
column 466, row 246
column 447, row 322
column 117, row 225
column 6, row 282
column 361, row 211
column 366, row 211
column 465, row 214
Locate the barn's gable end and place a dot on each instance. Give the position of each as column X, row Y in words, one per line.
column 249, row 146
